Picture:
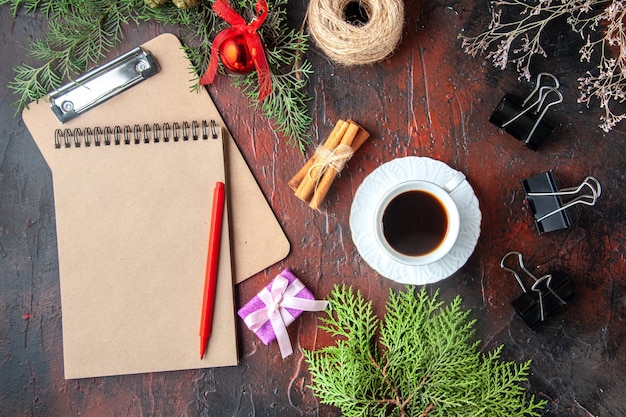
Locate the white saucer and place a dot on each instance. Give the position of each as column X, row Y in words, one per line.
column 372, row 190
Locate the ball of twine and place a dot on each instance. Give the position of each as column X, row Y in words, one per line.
column 356, row 43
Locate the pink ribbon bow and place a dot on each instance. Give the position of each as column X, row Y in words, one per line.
column 249, row 31
column 277, row 301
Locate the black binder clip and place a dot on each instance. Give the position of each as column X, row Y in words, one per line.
column 547, row 295
column 524, row 119
column 544, row 199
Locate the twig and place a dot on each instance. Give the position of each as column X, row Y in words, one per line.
column 428, row 410
column 387, row 381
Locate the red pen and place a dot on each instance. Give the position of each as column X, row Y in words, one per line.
column 210, row 279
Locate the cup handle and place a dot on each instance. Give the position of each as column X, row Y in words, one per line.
column 454, row 182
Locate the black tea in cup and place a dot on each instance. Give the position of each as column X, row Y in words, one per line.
column 415, row 223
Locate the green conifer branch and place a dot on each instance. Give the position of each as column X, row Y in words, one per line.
column 78, row 35
column 81, row 32
column 419, row 361
column 286, row 106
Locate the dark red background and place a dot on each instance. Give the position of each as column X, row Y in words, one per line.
column 429, row 99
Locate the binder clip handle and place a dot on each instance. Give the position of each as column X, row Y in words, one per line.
column 521, row 265
column 591, row 183
column 544, row 91
column 525, row 120
column 547, row 294
column 547, row 280
column 539, row 86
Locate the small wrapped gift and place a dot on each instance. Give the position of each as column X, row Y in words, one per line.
column 276, row 306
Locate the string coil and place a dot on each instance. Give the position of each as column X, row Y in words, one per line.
column 355, row 32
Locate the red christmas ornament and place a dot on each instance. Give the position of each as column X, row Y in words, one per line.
column 240, row 46
column 236, row 56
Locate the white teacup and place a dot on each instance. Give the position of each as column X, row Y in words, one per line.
column 417, row 222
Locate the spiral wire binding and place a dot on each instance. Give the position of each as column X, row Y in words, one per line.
column 127, row 135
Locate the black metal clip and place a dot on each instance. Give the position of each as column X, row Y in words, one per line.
column 524, row 120
column 547, row 295
column 544, row 199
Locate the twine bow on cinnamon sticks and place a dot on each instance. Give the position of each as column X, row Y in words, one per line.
column 312, row 182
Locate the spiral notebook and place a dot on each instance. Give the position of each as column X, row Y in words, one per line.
column 133, row 181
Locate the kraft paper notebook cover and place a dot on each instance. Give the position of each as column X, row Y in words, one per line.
column 133, row 225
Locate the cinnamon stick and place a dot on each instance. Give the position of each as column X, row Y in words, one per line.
column 330, row 174
column 295, row 181
column 307, row 185
column 360, row 139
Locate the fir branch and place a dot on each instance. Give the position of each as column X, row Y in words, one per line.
column 30, row 6
column 286, row 106
column 198, row 25
column 79, row 35
column 81, row 32
column 422, row 363
column 346, row 370
column 33, row 82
